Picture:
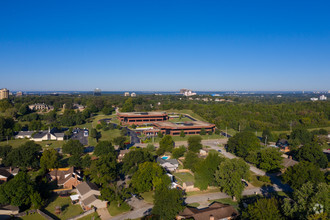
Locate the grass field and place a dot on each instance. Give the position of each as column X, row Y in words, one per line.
column 227, row 201
column 202, row 192
column 184, row 177
column 255, row 182
column 183, row 119
column 148, row 197
column 17, row 142
column 35, row 216
column 94, row 216
column 178, row 138
column 68, row 210
column 195, row 204
column 115, row 210
column 186, row 111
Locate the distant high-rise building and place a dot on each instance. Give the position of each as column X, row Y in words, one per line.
column 126, row 94
column 323, row 98
column 133, row 94
column 97, row 92
column 4, row 93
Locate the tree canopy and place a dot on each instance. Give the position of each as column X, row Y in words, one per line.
column 104, row 148
column 166, row 143
column 312, row 153
column 229, row 175
column 73, row 147
column 263, row 209
column 242, row 143
column 49, row 159
column 194, row 143
column 134, row 158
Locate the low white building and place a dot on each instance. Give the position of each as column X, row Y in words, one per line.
column 323, row 98
column 49, row 135
column 170, row 164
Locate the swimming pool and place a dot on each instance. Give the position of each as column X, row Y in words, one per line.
column 165, row 157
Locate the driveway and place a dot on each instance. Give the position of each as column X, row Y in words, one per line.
column 103, row 213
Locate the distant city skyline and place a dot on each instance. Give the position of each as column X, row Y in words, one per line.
column 165, row 45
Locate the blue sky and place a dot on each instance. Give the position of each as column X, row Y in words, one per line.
column 165, row 45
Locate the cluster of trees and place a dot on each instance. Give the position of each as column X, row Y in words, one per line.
column 246, row 145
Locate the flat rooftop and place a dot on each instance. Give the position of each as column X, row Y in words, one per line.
column 137, row 114
column 182, row 125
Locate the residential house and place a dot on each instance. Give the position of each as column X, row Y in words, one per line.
column 288, row 162
column 7, row 172
column 40, row 107
column 204, row 152
column 283, row 144
column 215, row 211
column 78, row 107
column 170, row 164
column 6, row 211
column 67, row 177
column 189, row 186
column 49, row 135
column 24, row 134
column 88, row 194
column 122, row 154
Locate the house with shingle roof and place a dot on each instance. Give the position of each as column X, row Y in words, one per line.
column 215, row 211
column 89, row 194
column 50, row 135
column 169, row 164
column 7, row 172
column 66, row 177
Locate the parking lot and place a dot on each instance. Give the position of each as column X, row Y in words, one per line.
column 79, row 135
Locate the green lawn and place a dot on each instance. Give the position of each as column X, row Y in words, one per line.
column 183, row 119
column 255, row 182
column 195, row 204
column 186, row 111
column 115, row 210
column 227, row 201
column 17, row 142
column 68, row 210
column 94, row 216
column 202, row 192
column 35, row 216
column 148, row 197
column 184, row 177
column 178, row 138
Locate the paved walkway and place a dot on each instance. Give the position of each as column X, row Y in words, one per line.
column 103, row 213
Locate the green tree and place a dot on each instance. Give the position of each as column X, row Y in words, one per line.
column 301, row 173
column 160, row 134
column 95, row 134
column 179, row 152
column 73, row 147
column 182, row 134
column 308, row 200
column 194, row 143
column 267, row 135
column 128, row 106
column 75, row 160
column 302, row 135
column 270, row 159
column 263, row 209
column 120, row 141
column 20, row 191
column 150, row 148
column 205, row 171
column 148, row 177
column 229, row 175
column 107, row 110
column 243, row 143
column 4, row 150
column 104, row 148
column 25, row 156
column 312, row 153
column 134, row 158
column 103, row 170
column 166, row 143
column 191, row 161
column 24, row 109
column 168, row 203
column 49, row 159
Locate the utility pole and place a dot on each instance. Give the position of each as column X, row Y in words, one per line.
column 226, row 132
column 266, row 141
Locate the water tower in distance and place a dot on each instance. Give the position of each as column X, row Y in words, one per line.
column 97, row 92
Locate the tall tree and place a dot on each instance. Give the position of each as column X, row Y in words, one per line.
column 128, row 106
column 191, row 161
column 205, row 171
column 301, row 173
column 179, row 152
column 134, row 158
column 49, row 159
column 302, row 135
column 263, row 209
column 308, row 200
column 229, row 175
column 312, row 153
column 270, row 159
column 104, row 148
column 148, row 177
column 168, row 203
column 166, row 143
column 103, row 170
column 242, row 143
column 73, row 147
column 194, row 143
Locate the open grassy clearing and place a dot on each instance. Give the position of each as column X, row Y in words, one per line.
column 195, row 204
column 44, row 144
column 115, row 210
column 186, row 111
column 68, row 209
column 227, row 201
column 203, row 192
column 35, row 216
column 148, row 197
column 184, row 177
column 94, row 216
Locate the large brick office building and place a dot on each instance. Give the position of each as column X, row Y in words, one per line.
column 138, row 118
column 160, row 123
